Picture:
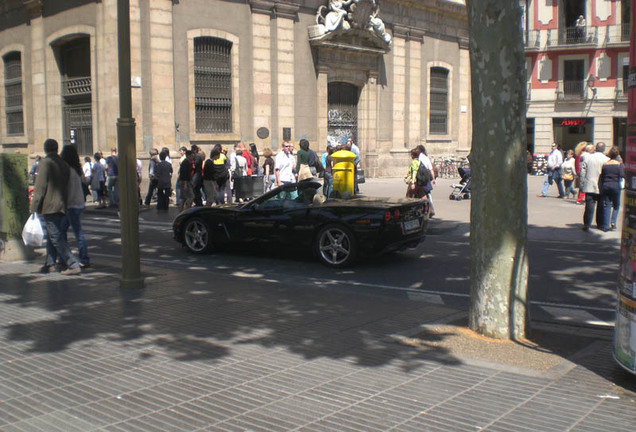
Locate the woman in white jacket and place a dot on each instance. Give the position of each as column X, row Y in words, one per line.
column 75, row 202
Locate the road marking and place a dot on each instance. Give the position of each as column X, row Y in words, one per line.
column 572, row 312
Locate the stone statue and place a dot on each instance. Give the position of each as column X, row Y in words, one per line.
column 336, row 17
column 348, row 14
column 376, row 25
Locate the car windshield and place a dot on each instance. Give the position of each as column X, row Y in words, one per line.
column 289, row 196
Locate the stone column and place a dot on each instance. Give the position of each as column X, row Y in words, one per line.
column 414, row 95
column 161, row 66
column 604, row 130
column 465, row 119
column 322, row 105
column 285, row 86
column 368, row 121
column 106, row 89
column 543, row 134
column 38, row 80
column 262, row 65
column 399, row 86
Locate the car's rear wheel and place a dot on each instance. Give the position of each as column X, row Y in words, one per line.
column 196, row 236
column 335, row 246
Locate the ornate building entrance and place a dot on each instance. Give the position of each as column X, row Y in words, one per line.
column 342, row 112
column 75, row 70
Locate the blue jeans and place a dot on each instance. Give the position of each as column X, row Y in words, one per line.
column 113, row 192
column 611, row 203
column 569, row 188
column 550, row 177
column 328, row 184
column 590, row 208
column 73, row 218
column 56, row 241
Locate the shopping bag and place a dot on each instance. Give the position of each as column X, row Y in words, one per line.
column 360, row 176
column 32, row 233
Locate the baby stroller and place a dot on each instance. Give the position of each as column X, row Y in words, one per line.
column 462, row 189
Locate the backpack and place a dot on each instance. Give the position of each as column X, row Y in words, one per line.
column 423, row 175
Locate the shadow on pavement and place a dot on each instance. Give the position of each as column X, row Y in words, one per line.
column 187, row 316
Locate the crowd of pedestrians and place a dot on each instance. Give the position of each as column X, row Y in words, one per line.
column 227, row 177
column 598, row 174
column 62, row 184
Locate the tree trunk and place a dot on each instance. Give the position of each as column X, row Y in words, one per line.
column 499, row 216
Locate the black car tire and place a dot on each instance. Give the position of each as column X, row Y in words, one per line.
column 196, row 236
column 335, row 246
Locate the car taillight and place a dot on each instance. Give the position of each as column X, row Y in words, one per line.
column 396, row 214
column 387, row 215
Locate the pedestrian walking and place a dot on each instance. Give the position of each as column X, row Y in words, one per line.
column 555, row 160
column 568, row 175
column 112, row 173
column 579, row 152
column 591, row 168
column 50, row 197
column 612, row 175
column 185, row 181
column 152, row 175
column 76, row 200
column 163, row 172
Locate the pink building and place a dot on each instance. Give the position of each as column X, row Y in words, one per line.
column 577, row 58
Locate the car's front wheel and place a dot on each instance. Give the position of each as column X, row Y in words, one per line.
column 196, row 236
column 335, row 246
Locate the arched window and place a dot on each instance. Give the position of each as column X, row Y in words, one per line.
column 213, row 84
column 13, row 93
column 439, row 101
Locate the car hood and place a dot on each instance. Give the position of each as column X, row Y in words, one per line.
column 372, row 202
column 225, row 208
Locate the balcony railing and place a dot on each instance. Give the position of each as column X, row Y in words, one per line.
column 618, row 33
column 621, row 88
column 571, row 90
column 531, row 39
column 76, row 86
column 573, row 36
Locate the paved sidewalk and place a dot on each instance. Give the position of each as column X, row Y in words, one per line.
column 199, row 351
column 196, row 351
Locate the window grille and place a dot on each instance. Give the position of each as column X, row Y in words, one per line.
column 439, row 101
column 13, row 93
column 213, row 85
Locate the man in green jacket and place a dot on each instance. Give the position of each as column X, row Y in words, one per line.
column 49, row 199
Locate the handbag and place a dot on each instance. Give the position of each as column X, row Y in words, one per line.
column 32, row 233
column 360, row 176
column 304, row 173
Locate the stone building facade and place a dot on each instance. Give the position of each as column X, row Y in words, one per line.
column 577, row 58
column 393, row 74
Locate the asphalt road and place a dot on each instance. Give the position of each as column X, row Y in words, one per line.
column 572, row 273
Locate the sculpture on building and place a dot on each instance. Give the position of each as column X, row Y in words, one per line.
column 347, row 14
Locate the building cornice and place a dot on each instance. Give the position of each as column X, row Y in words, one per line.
column 432, row 5
column 34, row 8
column 275, row 8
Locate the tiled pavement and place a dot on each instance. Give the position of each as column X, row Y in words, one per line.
column 201, row 352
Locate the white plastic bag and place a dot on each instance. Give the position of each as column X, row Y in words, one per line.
column 32, row 233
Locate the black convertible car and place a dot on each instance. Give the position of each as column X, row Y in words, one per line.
column 297, row 215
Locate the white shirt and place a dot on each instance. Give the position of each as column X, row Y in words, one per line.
column 87, row 169
column 284, row 164
column 555, row 159
column 241, row 162
column 426, row 161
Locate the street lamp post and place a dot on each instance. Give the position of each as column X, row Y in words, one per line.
column 128, row 202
